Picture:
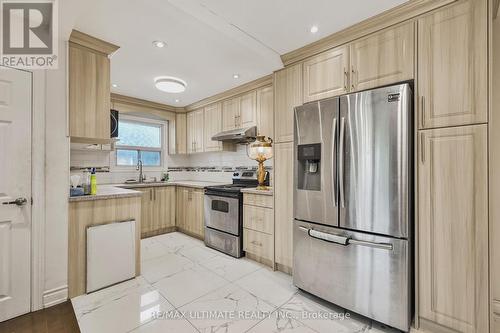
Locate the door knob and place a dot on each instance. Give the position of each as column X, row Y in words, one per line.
column 17, row 202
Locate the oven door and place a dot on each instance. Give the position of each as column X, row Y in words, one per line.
column 222, row 213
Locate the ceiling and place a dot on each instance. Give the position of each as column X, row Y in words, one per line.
column 210, row 40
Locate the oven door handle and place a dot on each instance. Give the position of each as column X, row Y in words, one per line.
column 330, row 238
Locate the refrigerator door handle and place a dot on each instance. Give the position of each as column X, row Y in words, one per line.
column 334, row 140
column 383, row 246
column 331, row 238
column 341, row 162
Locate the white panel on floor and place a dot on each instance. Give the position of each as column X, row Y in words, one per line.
column 110, row 254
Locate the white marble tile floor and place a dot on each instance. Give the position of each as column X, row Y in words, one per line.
column 187, row 287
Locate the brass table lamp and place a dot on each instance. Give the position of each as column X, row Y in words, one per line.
column 261, row 150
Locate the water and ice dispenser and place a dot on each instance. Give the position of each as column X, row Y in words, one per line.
column 309, row 167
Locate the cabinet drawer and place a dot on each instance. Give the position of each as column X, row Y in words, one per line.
column 258, row 243
column 258, row 219
column 258, row 200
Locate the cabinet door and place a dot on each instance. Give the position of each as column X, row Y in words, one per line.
column 180, row 209
column 453, row 227
column 89, row 94
column 194, row 212
column 199, row 118
column 452, row 65
column 283, row 204
column 248, row 111
column 191, row 135
column 326, row 74
column 212, row 126
column 180, row 133
column 164, row 207
column 265, row 111
column 287, row 94
column 230, row 111
column 383, row 58
column 147, row 219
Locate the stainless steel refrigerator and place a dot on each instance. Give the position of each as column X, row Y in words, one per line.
column 352, row 233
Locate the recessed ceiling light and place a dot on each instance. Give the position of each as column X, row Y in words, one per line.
column 177, row 100
column 114, row 85
column 159, row 44
column 170, row 84
column 236, row 76
column 314, row 29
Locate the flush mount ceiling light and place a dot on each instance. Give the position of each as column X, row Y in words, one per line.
column 236, row 76
column 314, row 29
column 159, row 44
column 170, row 84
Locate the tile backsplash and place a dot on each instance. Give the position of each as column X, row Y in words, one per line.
column 212, row 166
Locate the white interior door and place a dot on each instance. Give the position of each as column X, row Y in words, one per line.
column 15, row 192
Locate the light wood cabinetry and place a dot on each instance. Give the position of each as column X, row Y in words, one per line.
column 287, row 95
column 89, row 88
column 248, row 110
column 452, row 65
column 190, row 211
column 84, row 214
column 265, row 111
column 212, row 126
column 195, row 126
column 180, row 133
column 230, row 113
column 326, row 74
column 158, row 210
column 383, row 58
column 258, row 227
column 453, row 228
column 283, row 205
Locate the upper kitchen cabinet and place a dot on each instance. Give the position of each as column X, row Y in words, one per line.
column 230, row 113
column 452, row 65
column 265, row 111
column 288, row 95
column 326, row 74
column 383, row 58
column 453, row 228
column 248, row 110
column 212, row 126
column 195, row 120
column 89, row 88
column 239, row 112
column 180, row 133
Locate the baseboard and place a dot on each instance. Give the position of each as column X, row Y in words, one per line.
column 55, row 296
column 283, row 268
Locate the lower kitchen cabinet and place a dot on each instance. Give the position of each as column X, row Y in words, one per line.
column 190, row 211
column 158, row 210
column 453, row 228
column 283, row 205
column 258, row 228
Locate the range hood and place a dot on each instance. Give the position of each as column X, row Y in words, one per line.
column 240, row 135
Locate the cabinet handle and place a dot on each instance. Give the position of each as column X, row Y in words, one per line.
column 422, row 148
column 353, row 72
column 256, row 243
column 345, row 79
column 422, row 110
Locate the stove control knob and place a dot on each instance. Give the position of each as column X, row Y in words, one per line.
column 235, row 174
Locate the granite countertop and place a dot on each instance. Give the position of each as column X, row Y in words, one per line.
column 107, row 192
column 186, row 183
column 254, row 190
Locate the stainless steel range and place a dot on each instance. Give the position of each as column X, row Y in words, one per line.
column 224, row 213
column 352, row 233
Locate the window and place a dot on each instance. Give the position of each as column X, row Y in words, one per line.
column 139, row 140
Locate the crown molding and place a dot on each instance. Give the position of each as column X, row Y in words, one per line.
column 378, row 22
column 96, row 44
column 142, row 103
column 262, row 82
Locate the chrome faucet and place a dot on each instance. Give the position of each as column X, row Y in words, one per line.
column 139, row 168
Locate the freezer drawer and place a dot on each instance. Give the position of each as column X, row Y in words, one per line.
column 367, row 274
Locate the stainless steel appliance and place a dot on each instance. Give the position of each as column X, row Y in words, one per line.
column 224, row 213
column 352, row 202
